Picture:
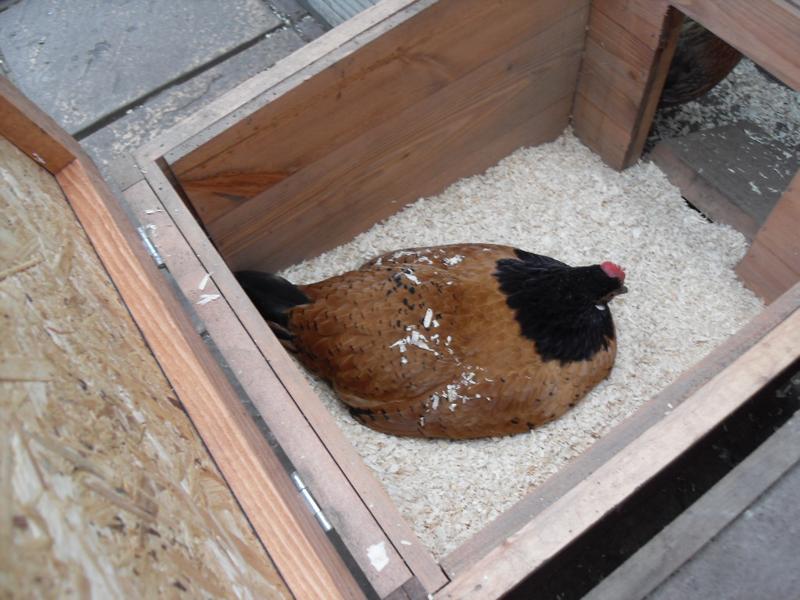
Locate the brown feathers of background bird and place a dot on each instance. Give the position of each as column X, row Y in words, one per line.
column 460, row 341
column 700, row 62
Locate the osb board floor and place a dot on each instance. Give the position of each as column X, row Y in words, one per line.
column 106, row 489
column 556, row 199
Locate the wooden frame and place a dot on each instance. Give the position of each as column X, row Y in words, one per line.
column 469, row 94
column 209, row 161
column 305, row 558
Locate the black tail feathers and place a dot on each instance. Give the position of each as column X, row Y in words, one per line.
column 272, row 295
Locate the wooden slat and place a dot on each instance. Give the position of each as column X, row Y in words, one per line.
column 244, row 99
column 767, row 31
column 371, row 492
column 451, row 134
column 715, row 510
column 622, row 75
column 307, row 561
column 772, row 264
column 436, row 44
column 584, row 505
column 643, row 19
column 320, row 472
column 572, row 474
column 33, row 132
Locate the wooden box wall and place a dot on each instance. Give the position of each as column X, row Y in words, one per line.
column 393, row 105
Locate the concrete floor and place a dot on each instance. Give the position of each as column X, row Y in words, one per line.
column 118, row 74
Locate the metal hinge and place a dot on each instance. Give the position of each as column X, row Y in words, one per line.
column 310, row 502
column 151, row 248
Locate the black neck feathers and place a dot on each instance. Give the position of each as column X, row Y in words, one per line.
column 561, row 308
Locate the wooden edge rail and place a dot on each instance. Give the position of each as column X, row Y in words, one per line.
column 306, row 559
column 606, row 488
column 371, row 492
column 33, row 132
column 213, row 119
column 313, row 460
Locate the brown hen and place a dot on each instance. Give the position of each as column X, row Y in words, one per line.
column 460, row 341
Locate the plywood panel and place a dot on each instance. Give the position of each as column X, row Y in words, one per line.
column 106, row 489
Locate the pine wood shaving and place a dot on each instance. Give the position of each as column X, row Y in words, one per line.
column 556, row 199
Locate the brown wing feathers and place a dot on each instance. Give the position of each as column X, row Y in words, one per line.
column 421, row 342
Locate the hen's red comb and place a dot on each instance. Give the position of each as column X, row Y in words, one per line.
column 613, row 270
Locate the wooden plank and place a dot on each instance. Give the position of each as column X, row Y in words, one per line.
column 435, row 140
column 767, row 31
column 764, row 272
column 416, row 556
column 304, row 556
column 322, row 475
column 241, row 101
column 603, row 75
column 694, row 528
column 407, row 64
column 622, row 75
column 572, row 474
column 555, row 527
column 33, row 132
column 772, row 264
column 643, row 19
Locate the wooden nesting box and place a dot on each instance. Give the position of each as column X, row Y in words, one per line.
column 392, row 105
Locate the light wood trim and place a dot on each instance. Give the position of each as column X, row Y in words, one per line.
column 238, row 103
column 767, row 31
column 597, row 495
column 36, row 134
column 307, row 561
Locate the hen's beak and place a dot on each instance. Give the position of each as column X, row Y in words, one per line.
column 622, row 290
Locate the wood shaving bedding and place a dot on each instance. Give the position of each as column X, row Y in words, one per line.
column 557, row 199
column 746, row 94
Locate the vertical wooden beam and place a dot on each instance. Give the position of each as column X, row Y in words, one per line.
column 629, row 47
column 772, row 264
